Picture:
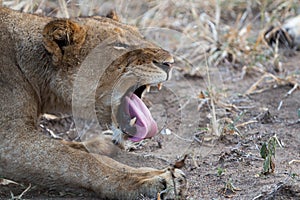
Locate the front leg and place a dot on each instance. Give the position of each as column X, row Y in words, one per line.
column 28, row 156
column 132, row 183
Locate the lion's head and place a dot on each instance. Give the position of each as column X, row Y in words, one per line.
column 102, row 68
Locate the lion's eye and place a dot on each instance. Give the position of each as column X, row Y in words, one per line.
column 120, row 46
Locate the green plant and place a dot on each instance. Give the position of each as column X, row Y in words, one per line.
column 220, row 171
column 267, row 152
column 229, row 189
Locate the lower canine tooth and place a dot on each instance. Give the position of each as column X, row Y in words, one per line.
column 148, row 88
column 159, row 85
column 132, row 121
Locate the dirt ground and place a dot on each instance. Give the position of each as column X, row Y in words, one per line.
column 238, row 156
column 228, row 165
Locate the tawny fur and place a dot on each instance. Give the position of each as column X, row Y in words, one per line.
column 39, row 59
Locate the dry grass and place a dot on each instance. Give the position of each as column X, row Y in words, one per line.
column 218, row 30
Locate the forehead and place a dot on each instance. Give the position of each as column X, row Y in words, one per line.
column 102, row 28
column 110, row 26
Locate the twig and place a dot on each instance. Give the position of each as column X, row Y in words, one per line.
column 19, row 197
column 280, row 105
column 214, row 121
column 278, row 80
column 255, row 85
column 294, row 161
column 156, row 157
column 6, row 182
column 197, row 139
column 187, row 140
column 288, row 94
column 246, row 123
column 291, row 90
column 271, row 194
column 53, row 134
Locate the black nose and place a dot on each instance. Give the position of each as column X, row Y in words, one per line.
column 166, row 66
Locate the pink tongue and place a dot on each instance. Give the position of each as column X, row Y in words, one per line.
column 145, row 125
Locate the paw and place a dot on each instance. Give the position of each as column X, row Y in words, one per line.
column 170, row 184
column 176, row 184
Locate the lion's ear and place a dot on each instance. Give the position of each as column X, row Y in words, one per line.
column 113, row 15
column 63, row 39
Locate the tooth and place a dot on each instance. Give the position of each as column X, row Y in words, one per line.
column 132, row 121
column 148, row 88
column 159, row 85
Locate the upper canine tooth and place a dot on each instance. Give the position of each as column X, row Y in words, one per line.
column 148, row 88
column 132, row 121
column 159, row 85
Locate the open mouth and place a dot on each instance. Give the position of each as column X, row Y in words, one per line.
column 135, row 119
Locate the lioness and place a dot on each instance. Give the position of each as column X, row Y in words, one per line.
column 40, row 59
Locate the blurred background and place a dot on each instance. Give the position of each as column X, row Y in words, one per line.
column 234, row 91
